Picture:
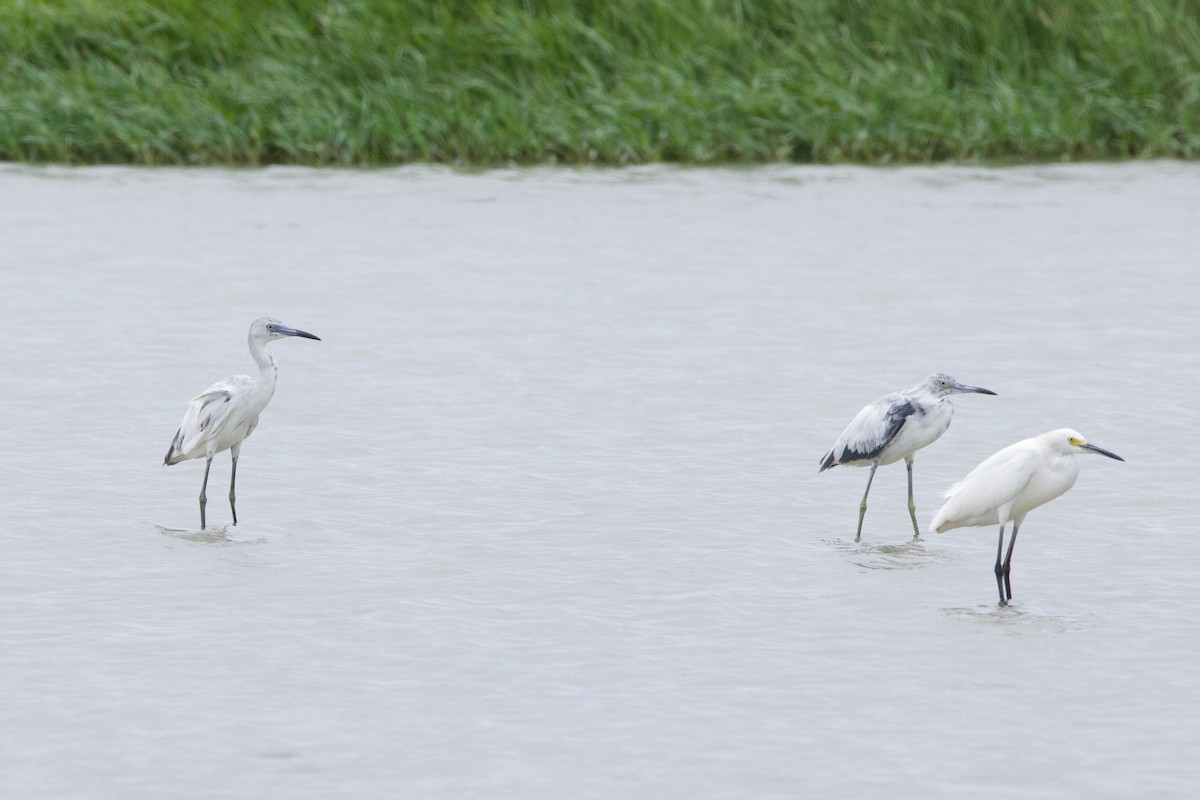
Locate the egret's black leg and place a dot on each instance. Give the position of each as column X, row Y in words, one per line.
column 862, row 508
column 912, row 506
column 203, row 486
column 999, row 569
column 1008, row 561
column 232, row 480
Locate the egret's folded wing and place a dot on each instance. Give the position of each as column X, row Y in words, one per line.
column 996, row 481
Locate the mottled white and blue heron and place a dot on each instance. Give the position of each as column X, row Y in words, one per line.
column 894, row 427
column 222, row 416
column 1010, row 484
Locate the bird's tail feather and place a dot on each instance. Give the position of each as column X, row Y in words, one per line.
column 174, row 456
column 827, row 461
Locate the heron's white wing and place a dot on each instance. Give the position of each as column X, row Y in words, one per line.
column 976, row 499
column 208, row 413
column 872, row 429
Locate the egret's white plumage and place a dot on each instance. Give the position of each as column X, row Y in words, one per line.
column 224, row 414
column 894, row 427
column 1009, row 484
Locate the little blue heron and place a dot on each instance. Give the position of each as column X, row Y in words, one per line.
column 1009, row 484
column 894, row 427
column 222, row 416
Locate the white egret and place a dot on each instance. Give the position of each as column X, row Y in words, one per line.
column 222, row 416
column 1010, row 484
column 894, row 427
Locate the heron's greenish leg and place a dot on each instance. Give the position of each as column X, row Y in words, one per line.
column 233, row 452
column 203, row 487
column 862, row 507
column 912, row 506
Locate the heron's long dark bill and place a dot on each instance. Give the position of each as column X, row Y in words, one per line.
column 963, row 388
column 1101, row 451
column 286, row 331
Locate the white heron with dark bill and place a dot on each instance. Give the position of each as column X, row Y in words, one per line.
column 1009, row 484
column 223, row 415
column 894, row 427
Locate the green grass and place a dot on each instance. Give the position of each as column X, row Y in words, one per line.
column 596, row 81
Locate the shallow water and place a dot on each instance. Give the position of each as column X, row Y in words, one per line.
column 540, row 516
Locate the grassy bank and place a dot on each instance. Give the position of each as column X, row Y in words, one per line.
column 596, row 81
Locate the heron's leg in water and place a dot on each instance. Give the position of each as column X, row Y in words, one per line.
column 233, row 452
column 999, row 569
column 862, row 508
column 203, row 486
column 1008, row 561
column 912, row 506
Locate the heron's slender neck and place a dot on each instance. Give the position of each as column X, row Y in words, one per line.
column 267, row 371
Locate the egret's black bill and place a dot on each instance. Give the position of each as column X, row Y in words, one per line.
column 1101, row 451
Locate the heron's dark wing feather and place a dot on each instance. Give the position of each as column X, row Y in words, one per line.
column 870, row 431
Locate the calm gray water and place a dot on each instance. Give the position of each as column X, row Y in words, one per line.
column 540, row 516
